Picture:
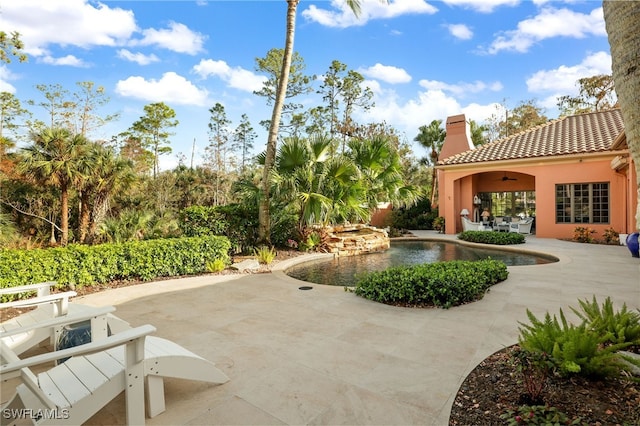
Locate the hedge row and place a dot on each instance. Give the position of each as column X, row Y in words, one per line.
column 498, row 238
column 80, row 265
column 441, row 284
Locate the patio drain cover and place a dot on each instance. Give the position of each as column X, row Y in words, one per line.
column 305, row 287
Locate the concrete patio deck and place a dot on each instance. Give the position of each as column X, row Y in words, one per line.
column 326, row 356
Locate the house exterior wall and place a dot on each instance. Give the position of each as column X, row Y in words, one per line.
column 459, row 184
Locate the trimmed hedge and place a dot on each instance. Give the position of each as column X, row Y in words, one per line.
column 80, row 265
column 441, row 284
column 498, row 238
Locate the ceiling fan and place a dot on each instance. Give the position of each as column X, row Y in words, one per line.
column 506, row 178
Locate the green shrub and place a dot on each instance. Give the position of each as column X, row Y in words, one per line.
column 442, row 284
column 573, row 349
column 79, row 265
column 418, row 216
column 611, row 236
column 498, row 238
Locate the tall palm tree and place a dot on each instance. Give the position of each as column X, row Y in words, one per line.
column 622, row 20
column 52, row 159
column 263, row 210
column 432, row 137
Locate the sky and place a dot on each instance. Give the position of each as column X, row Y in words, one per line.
column 423, row 60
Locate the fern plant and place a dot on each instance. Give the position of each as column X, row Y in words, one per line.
column 618, row 327
column 573, row 349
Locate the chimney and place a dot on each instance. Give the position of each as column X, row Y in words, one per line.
column 458, row 137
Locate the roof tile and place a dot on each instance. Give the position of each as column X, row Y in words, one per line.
column 576, row 134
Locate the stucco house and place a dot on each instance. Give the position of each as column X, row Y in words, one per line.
column 569, row 172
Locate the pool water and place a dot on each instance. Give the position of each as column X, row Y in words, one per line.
column 343, row 271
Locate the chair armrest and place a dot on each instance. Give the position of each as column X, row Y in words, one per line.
column 12, row 369
column 61, row 320
column 41, row 288
column 34, row 301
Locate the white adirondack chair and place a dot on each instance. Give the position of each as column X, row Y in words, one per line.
column 98, row 371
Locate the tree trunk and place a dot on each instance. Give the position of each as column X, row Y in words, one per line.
column 83, row 227
column 64, row 218
column 264, row 216
column 622, row 19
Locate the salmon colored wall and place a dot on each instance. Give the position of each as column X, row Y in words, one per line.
column 380, row 217
column 458, row 187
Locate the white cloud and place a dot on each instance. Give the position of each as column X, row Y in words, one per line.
column 483, row 6
column 5, row 76
column 68, row 60
column 550, row 22
column 342, row 16
column 171, row 88
column 551, row 84
column 461, row 89
column 460, row 31
column 387, row 73
column 237, row 78
column 139, row 58
column 178, row 38
column 42, row 23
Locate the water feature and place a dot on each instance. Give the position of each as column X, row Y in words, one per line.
column 343, row 271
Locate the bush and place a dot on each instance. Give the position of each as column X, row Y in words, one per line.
column 616, row 327
column 79, row 265
column 442, row 284
column 574, row 349
column 418, row 216
column 611, row 236
column 498, row 238
column 583, row 234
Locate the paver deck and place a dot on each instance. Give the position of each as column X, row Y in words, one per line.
column 326, row 356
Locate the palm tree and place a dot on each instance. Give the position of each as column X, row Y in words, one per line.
column 281, row 92
column 381, row 172
column 432, row 137
column 622, row 20
column 106, row 173
column 52, row 159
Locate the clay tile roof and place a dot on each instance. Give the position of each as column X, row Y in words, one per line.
column 576, row 134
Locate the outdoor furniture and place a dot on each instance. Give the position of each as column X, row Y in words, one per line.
column 521, row 226
column 501, row 224
column 468, row 225
column 96, row 372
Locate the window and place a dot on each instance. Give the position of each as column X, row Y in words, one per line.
column 518, row 203
column 582, row 203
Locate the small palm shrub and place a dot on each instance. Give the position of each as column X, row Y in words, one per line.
column 438, row 224
column 497, row 238
column 265, row 255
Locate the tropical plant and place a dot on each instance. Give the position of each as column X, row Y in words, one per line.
column 216, row 265
column 264, row 217
column 623, row 30
column 617, row 327
column 53, row 159
column 432, row 138
column 264, row 254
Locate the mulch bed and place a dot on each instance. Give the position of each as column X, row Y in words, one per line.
column 495, row 386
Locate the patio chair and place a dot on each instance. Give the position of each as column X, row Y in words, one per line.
column 47, row 306
column 522, row 226
column 468, row 225
column 96, row 372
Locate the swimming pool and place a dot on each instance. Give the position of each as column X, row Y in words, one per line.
column 343, row 271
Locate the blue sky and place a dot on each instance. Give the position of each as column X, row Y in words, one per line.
column 423, row 60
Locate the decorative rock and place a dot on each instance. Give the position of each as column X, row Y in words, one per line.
column 351, row 240
column 246, row 265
